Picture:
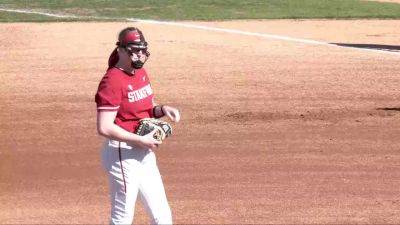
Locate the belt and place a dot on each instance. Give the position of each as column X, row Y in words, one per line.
column 118, row 144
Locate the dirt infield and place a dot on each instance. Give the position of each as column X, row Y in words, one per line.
column 272, row 131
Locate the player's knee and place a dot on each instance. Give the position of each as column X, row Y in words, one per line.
column 122, row 208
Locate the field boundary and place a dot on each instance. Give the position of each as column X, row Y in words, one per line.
column 193, row 26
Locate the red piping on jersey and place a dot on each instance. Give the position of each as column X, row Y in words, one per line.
column 122, row 168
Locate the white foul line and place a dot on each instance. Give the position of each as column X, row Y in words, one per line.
column 270, row 36
column 232, row 31
column 39, row 13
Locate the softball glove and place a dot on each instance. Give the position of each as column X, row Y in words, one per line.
column 147, row 125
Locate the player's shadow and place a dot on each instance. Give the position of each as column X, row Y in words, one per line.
column 391, row 48
column 389, row 109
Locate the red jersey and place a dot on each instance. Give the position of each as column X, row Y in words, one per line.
column 130, row 95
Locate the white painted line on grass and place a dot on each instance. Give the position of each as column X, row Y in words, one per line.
column 193, row 26
column 38, row 13
column 270, row 36
column 57, row 15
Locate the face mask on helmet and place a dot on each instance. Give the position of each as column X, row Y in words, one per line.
column 137, row 64
column 135, row 45
column 140, row 54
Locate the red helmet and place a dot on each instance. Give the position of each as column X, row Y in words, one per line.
column 133, row 39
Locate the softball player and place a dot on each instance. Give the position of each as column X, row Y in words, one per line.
column 124, row 97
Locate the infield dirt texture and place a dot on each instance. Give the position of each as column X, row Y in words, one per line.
column 272, row 131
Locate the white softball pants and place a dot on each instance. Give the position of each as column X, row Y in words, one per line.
column 134, row 172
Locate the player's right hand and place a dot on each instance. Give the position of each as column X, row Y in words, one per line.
column 147, row 141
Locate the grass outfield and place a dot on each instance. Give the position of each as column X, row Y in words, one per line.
column 199, row 9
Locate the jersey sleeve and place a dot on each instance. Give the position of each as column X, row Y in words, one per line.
column 109, row 95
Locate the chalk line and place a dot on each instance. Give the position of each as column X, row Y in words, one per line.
column 202, row 27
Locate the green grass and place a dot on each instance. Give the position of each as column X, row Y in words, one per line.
column 200, row 9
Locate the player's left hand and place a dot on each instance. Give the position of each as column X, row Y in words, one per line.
column 172, row 113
